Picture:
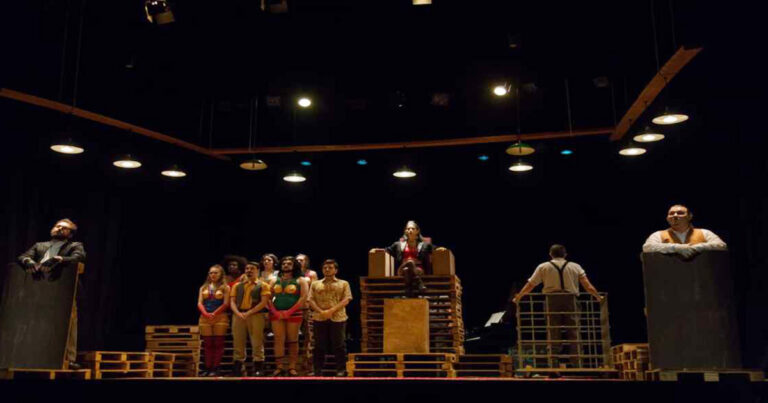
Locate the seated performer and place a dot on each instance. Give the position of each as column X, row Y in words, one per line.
column 42, row 257
column 412, row 255
column 213, row 322
column 561, row 284
column 681, row 237
column 235, row 266
column 290, row 292
column 328, row 298
column 249, row 298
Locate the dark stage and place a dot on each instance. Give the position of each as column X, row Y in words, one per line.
column 226, row 76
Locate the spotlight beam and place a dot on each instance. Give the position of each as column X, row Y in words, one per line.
column 415, row 144
column 106, row 120
column 668, row 71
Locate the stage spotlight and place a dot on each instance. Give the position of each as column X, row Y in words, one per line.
column 669, row 118
column 362, row 162
column 566, row 152
column 127, row 162
column 158, row 12
column 647, row 136
column 404, row 172
column 520, row 148
column 501, row 90
column 174, row 172
column 483, row 158
column 294, row 177
column 422, row 2
column 304, row 102
column 306, row 163
column 67, row 147
column 254, row 165
column 520, row 166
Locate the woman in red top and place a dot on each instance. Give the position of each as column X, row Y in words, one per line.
column 412, row 255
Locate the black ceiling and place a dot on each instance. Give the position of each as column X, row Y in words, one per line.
column 196, row 78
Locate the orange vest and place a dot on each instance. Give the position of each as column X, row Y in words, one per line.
column 693, row 236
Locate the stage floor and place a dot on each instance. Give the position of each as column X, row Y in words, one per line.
column 372, row 390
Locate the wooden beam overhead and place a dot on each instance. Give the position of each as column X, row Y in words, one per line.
column 416, row 144
column 673, row 66
column 105, row 120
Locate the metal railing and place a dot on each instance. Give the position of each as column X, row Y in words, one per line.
column 557, row 330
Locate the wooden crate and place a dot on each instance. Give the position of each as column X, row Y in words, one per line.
column 484, row 365
column 162, row 364
column 631, row 360
column 26, row 373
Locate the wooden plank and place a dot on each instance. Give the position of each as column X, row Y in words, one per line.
column 670, row 69
column 105, row 120
column 506, row 138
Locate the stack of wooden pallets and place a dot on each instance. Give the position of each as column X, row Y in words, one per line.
column 484, row 365
column 183, row 341
column 26, row 373
column 446, row 326
column 162, row 364
column 631, row 360
column 117, row 364
column 435, row 365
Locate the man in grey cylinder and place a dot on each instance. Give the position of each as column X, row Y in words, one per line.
column 44, row 256
column 681, row 237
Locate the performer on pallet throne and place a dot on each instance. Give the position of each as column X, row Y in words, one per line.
column 412, row 255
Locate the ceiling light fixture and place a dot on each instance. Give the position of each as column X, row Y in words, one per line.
column 305, row 102
column 632, row 150
column 67, row 147
column 127, row 162
column 501, row 90
column 647, row 136
column 520, row 148
column 520, row 166
column 669, row 118
column 174, row 172
column 294, row 177
column 404, row 172
column 254, row 165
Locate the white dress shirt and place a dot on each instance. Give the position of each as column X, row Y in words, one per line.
column 654, row 243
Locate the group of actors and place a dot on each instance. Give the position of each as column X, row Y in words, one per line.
column 287, row 295
column 284, row 294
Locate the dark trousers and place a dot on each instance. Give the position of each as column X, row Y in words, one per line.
column 562, row 320
column 329, row 337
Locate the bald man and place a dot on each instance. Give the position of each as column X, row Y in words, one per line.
column 681, row 237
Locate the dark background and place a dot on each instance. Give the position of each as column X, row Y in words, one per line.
column 150, row 239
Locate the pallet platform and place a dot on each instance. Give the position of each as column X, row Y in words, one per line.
column 484, row 365
column 25, row 373
column 706, row 375
column 117, row 364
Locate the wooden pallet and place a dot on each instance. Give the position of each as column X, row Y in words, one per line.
column 706, row 375
column 94, row 356
column 162, row 364
column 402, row 373
column 117, row 364
column 401, row 365
column 160, row 344
column 172, row 329
column 26, row 373
column 631, row 360
column 571, row 372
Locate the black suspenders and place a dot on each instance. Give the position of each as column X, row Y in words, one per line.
column 560, row 272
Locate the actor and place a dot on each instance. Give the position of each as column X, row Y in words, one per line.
column 328, row 299
column 249, row 298
column 235, row 266
column 412, row 255
column 681, row 238
column 561, row 285
column 290, row 292
column 268, row 262
column 42, row 257
column 213, row 322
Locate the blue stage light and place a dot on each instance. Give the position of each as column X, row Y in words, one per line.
column 362, row 162
column 483, row 158
column 306, row 163
column 566, row 152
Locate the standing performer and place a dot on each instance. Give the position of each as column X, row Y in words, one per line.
column 268, row 262
column 234, row 265
column 681, row 237
column 310, row 275
column 249, row 299
column 213, row 322
column 42, row 257
column 290, row 292
column 412, row 255
column 328, row 299
column 561, row 285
